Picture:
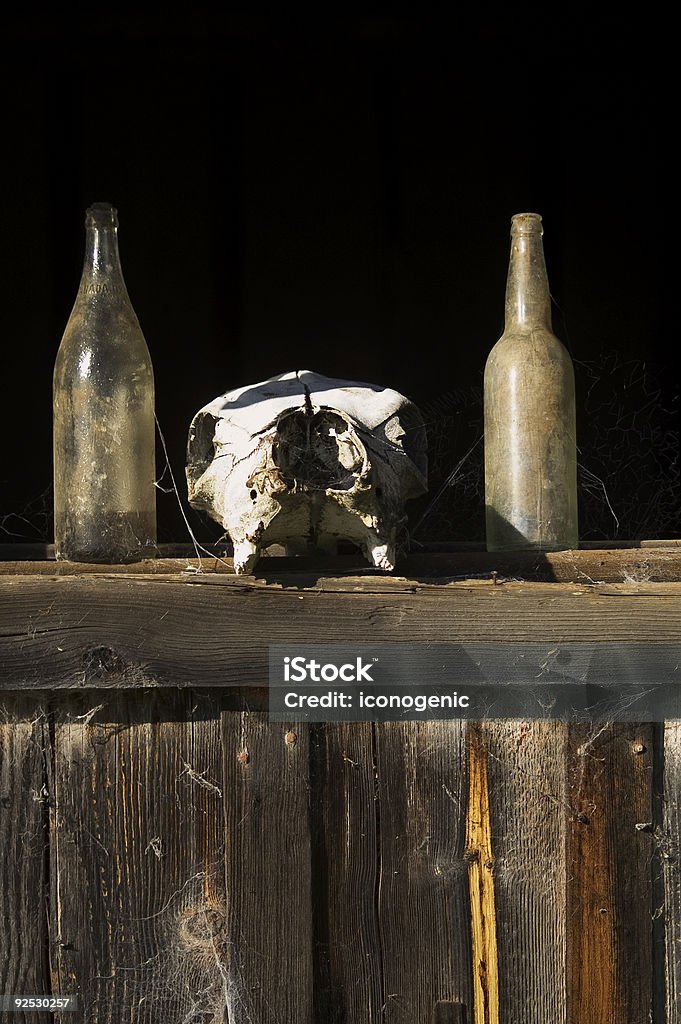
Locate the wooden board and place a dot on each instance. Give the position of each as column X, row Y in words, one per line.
column 137, row 859
column 528, row 810
column 670, row 860
column 480, row 859
column 658, row 561
column 609, row 895
column 423, row 901
column 346, row 875
column 24, row 837
column 268, row 870
column 132, row 633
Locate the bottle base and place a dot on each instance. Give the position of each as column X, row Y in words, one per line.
column 117, row 538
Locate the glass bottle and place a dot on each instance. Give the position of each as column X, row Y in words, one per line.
column 529, row 402
column 104, row 461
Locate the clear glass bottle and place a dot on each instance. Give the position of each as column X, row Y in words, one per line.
column 104, row 444
column 529, row 401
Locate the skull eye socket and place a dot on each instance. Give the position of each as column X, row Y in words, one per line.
column 254, row 495
column 202, row 447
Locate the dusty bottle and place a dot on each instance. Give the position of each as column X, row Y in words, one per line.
column 529, row 400
column 104, row 464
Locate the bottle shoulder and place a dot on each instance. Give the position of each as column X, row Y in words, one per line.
column 88, row 353
column 530, row 363
column 529, row 344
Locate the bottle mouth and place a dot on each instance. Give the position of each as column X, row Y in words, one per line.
column 101, row 215
column 526, row 224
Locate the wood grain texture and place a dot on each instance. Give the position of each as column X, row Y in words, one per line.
column 480, row 859
column 423, row 891
column 658, row 561
column 130, row 633
column 24, row 835
column 529, row 812
column 609, row 895
column 345, row 864
column 137, row 859
column 349, row 963
column 670, row 856
column 335, row 861
column 268, row 870
column 450, row 1013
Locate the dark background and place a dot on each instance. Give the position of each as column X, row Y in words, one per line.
column 337, row 196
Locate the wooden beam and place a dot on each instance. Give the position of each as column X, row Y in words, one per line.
column 168, row 631
column 658, row 561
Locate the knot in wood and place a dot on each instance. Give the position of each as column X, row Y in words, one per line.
column 102, row 661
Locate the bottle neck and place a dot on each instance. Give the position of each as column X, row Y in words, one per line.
column 528, row 302
column 102, row 272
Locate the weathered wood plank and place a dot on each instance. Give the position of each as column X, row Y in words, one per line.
column 423, row 893
column 650, row 561
column 480, row 860
column 40, row 551
column 137, row 834
column 670, row 852
column 267, row 863
column 80, row 631
column 528, row 806
column 609, row 895
column 349, row 982
column 24, row 833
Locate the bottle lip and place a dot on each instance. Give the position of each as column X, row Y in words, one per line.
column 101, row 215
column 526, row 224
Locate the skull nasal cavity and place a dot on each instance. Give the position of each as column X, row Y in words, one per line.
column 317, row 452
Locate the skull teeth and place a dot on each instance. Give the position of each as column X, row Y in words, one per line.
column 383, row 556
column 246, row 555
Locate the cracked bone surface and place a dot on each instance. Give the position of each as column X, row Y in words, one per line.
column 305, row 460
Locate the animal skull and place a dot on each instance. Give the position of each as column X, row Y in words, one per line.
column 304, row 460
